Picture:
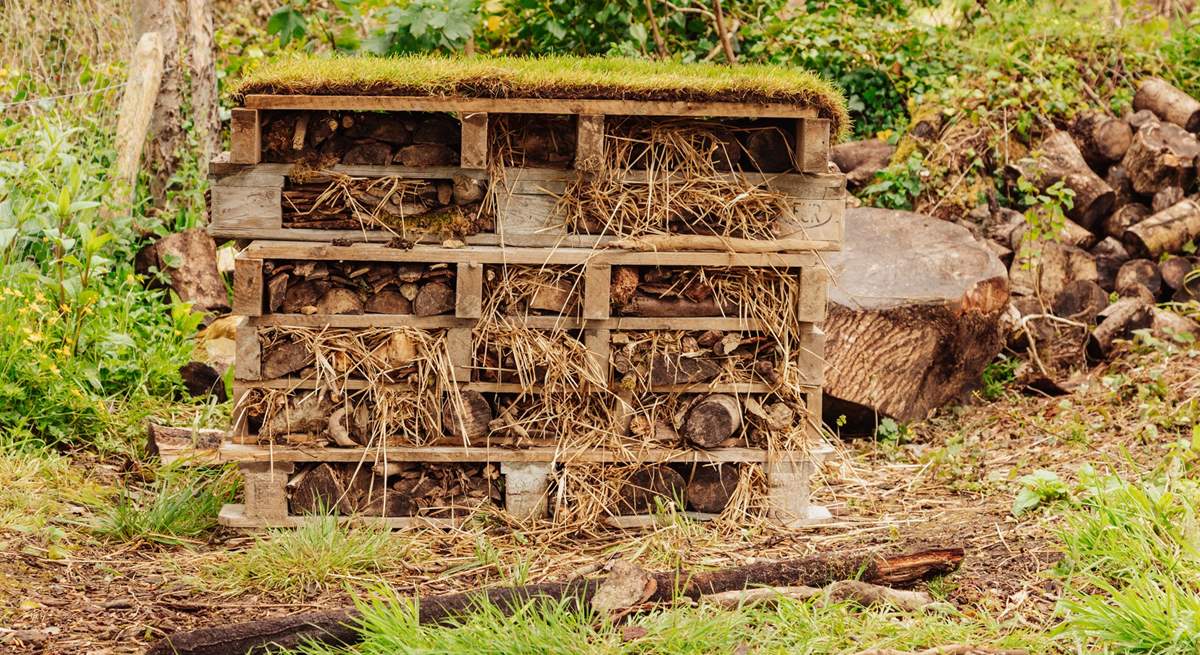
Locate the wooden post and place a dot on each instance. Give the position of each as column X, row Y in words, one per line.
column 589, row 142
column 137, row 105
column 597, row 299
column 245, row 136
column 461, row 347
column 812, row 145
column 205, row 116
column 248, row 286
column 468, row 294
column 247, row 361
column 166, row 122
column 265, row 486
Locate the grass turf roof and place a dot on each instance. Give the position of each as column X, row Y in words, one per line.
column 548, row 77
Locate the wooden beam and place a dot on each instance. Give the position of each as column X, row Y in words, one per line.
column 532, row 106
column 245, row 136
column 468, row 293
column 252, row 453
column 589, row 142
column 474, row 152
column 812, row 145
column 248, row 286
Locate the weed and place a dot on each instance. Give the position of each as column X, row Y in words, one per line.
column 182, row 503
column 998, row 377
column 1038, row 489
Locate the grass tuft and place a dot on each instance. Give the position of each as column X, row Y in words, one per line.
column 182, row 504
column 549, row 77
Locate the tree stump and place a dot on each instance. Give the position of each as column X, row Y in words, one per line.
column 914, row 315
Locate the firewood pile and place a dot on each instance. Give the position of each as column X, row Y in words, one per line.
column 395, row 489
column 322, row 139
column 332, row 201
column 317, row 287
column 1125, row 257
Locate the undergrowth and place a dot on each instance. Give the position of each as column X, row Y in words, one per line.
column 179, row 506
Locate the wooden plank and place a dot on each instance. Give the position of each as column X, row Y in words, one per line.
column 589, row 142
column 247, row 361
column 136, row 109
column 519, row 215
column 531, row 106
column 234, row 515
column 597, row 296
column 814, row 284
column 474, row 152
column 461, row 348
column 248, row 286
column 518, row 255
column 540, row 322
column 246, row 207
column 596, row 342
column 245, row 136
column 811, row 358
column 445, row 454
column 812, row 145
column 291, row 384
column 468, row 293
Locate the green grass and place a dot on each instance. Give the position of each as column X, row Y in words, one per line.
column 182, row 504
column 320, row 554
column 390, row 627
column 552, row 76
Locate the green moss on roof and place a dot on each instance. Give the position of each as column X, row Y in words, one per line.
column 548, row 77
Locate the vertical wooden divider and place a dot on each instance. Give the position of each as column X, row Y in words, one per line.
column 248, row 286
column 474, row 141
column 597, row 278
column 589, row 141
column 812, row 145
column 245, row 136
column 468, row 293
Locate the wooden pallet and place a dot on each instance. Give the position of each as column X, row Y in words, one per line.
column 527, row 474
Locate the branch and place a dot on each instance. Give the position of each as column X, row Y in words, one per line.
column 719, row 21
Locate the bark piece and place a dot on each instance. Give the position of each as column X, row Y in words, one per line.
column 670, row 368
column 914, row 315
column 277, row 291
column 466, row 190
column 1119, row 322
column 425, row 155
column 759, row 596
column 468, row 420
column 1081, row 300
column 554, row 297
column 1168, row 231
column 1139, row 271
column 1102, row 139
column 870, row 595
column 285, row 358
column 625, row 586
column 337, row 626
column 388, row 301
column 648, row 486
column 711, row 420
column 644, row 305
column 171, row 443
column 340, row 300
column 859, row 161
column 166, row 124
column 1139, row 292
column 1124, row 218
column 190, row 260
column 1161, row 155
column 308, row 414
column 433, row 298
column 1061, row 161
column 1168, row 103
column 710, row 486
column 201, row 380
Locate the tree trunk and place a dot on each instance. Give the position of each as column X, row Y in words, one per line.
column 166, row 129
column 1161, row 155
column 914, row 315
column 205, row 113
column 337, row 626
column 712, row 420
column 1061, row 161
column 1102, row 139
column 1165, row 232
column 1168, row 103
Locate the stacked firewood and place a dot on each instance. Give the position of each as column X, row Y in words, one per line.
column 653, row 359
column 647, row 291
column 322, row 139
column 394, row 489
column 1128, row 241
column 631, row 490
column 331, row 202
column 319, row 287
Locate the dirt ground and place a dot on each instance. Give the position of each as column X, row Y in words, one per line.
column 951, row 484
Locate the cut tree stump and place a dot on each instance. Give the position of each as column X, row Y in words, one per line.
column 1168, row 103
column 914, row 315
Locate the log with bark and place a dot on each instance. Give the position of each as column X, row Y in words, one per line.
column 318, row 287
column 1061, row 161
column 1161, row 155
column 1168, row 231
column 1102, row 139
column 711, row 420
column 192, row 445
column 339, row 626
column 393, row 489
column 710, row 486
column 914, row 311
column 1168, row 103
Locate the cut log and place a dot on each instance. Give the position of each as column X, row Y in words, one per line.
column 1166, row 197
column 303, row 296
column 670, row 368
column 340, row 300
column 1118, row 178
column 388, row 301
column 372, row 153
column 190, row 260
column 914, row 315
column 552, row 297
column 285, row 358
column 1168, row 231
column 859, row 161
column 1101, row 138
column 1124, row 218
column 643, row 305
column 1046, row 269
column 1110, row 254
column 426, row 155
column 1176, row 269
column 193, row 445
column 1139, row 292
column 1161, row 155
column 1168, row 103
column 468, row 419
column 711, row 420
column 433, row 298
column 1170, row 326
column 1081, row 300
column 710, row 486
column 1119, row 321
column 305, row 415
column 337, row 626
column 1072, row 234
column 318, row 490
column 767, row 151
column 1139, row 272
column 649, row 486
column 1061, row 161
column 1139, row 119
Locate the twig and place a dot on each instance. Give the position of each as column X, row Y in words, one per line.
column 719, row 21
column 659, row 44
